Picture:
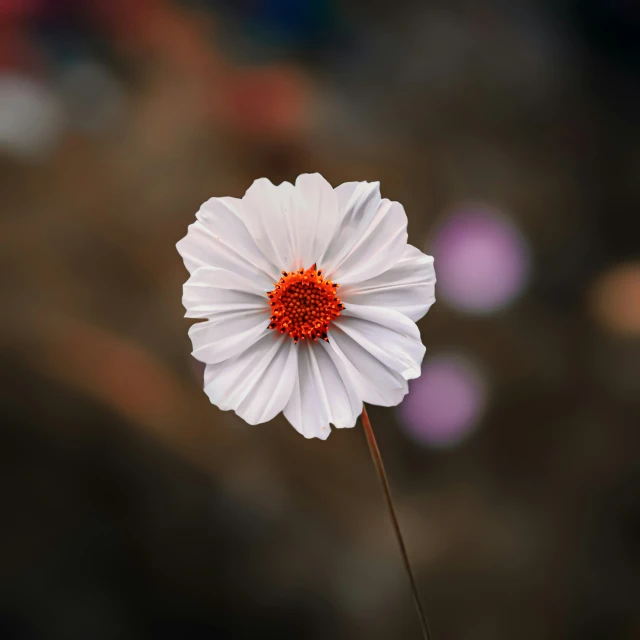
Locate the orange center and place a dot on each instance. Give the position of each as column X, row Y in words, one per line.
column 303, row 304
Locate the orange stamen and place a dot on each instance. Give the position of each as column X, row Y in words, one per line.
column 303, row 304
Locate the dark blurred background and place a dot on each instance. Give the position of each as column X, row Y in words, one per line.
column 133, row 509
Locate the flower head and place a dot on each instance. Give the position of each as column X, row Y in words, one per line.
column 310, row 297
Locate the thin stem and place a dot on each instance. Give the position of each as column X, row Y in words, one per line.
column 377, row 461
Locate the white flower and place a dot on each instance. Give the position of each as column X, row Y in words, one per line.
column 310, row 295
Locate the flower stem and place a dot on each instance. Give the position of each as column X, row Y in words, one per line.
column 377, row 461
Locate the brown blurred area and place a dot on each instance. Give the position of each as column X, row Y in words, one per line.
column 131, row 507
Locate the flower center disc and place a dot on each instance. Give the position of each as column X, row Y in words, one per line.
column 303, row 304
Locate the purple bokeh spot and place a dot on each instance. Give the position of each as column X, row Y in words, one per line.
column 445, row 404
column 481, row 259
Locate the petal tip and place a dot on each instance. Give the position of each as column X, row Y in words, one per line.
column 322, row 434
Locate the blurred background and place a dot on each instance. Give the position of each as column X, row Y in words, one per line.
column 133, row 509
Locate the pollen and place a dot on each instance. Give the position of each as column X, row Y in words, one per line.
column 303, row 304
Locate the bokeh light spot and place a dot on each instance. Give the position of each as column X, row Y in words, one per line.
column 481, row 259
column 31, row 117
column 615, row 299
column 444, row 405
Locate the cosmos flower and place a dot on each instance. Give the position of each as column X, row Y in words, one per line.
column 309, row 297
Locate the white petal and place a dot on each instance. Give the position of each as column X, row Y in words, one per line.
column 357, row 206
column 219, row 238
column 321, row 216
column 293, row 225
column 370, row 237
column 374, row 382
column 227, row 335
column 386, row 334
column 211, row 291
column 258, row 383
column 271, row 213
column 408, row 287
column 320, row 396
